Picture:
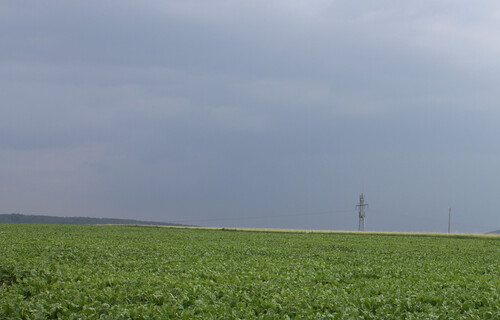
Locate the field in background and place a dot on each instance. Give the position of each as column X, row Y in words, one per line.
column 388, row 233
column 123, row 272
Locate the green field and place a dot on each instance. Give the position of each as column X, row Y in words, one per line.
column 124, row 272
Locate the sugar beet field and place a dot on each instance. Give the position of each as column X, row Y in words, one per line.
column 126, row 272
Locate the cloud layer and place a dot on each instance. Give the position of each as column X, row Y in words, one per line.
column 216, row 113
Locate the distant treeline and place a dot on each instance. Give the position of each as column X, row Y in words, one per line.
column 21, row 218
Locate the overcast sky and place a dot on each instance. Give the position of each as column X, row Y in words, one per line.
column 253, row 113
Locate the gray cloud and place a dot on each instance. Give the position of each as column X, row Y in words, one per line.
column 193, row 111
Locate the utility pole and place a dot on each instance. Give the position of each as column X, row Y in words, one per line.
column 449, row 220
column 361, row 207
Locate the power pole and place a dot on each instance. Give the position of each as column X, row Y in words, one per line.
column 362, row 215
column 449, row 220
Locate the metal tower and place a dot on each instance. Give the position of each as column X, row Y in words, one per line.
column 361, row 207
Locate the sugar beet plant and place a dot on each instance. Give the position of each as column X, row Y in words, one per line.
column 118, row 272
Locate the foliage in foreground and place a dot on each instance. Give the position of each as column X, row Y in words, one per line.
column 118, row 272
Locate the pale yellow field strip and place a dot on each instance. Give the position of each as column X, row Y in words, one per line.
column 389, row 233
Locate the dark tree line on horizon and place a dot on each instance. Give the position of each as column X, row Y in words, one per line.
column 21, row 218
